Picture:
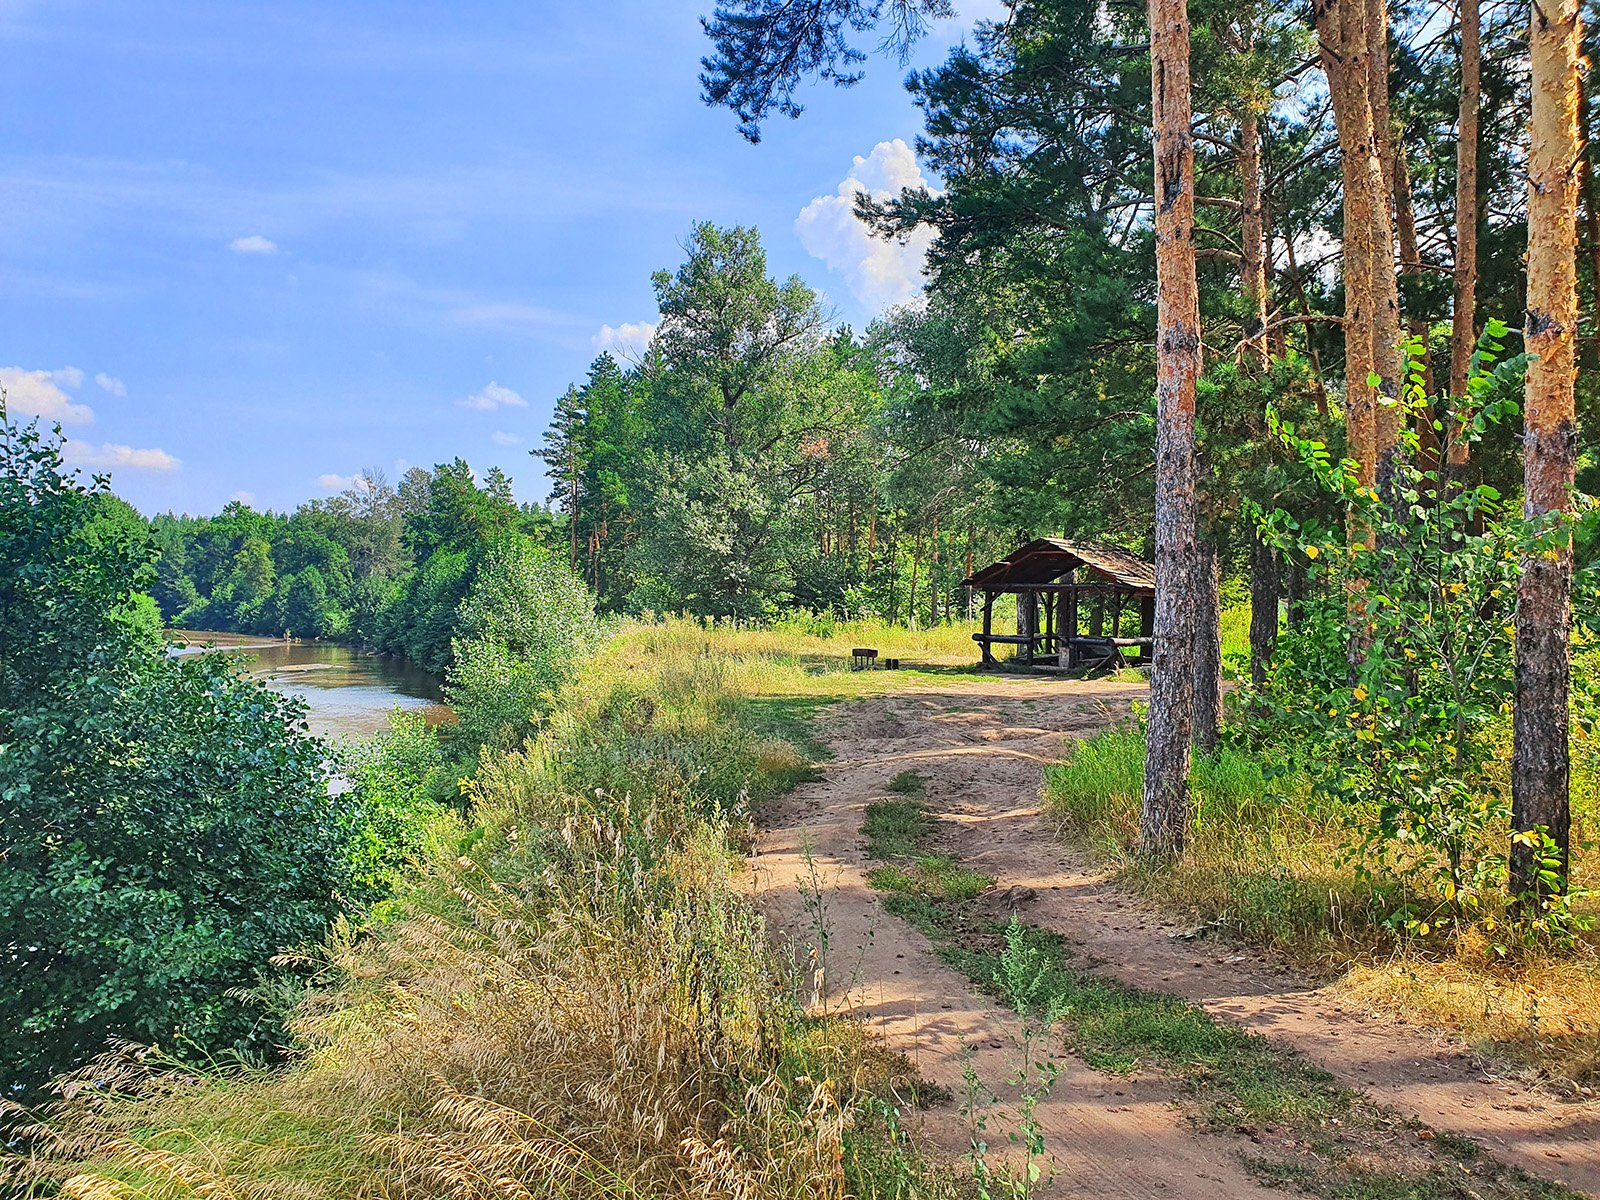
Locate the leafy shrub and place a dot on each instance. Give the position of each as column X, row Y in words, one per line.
column 395, row 821
column 525, row 628
column 167, row 822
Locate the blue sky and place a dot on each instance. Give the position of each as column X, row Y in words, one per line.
column 249, row 249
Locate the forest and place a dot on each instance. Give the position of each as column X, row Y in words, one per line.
column 1299, row 306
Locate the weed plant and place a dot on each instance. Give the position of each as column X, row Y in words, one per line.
column 573, row 999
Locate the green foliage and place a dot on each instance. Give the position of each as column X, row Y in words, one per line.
column 397, row 822
column 526, row 627
column 1405, row 740
column 168, row 823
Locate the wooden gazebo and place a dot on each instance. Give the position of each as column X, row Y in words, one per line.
column 1074, row 601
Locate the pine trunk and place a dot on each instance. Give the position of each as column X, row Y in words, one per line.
column 1342, row 30
column 1387, row 359
column 1263, row 608
column 1463, row 331
column 1164, row 820
column 1539, row 762
column 1207, row 646
column 1252, row 242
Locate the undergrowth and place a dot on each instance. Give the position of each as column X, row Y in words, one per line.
column 572, row 999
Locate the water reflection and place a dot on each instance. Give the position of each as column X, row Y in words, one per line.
column 347, row 691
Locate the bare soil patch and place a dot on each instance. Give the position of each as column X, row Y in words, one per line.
column 982, row 747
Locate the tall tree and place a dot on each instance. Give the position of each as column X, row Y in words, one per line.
column 1346, row 53
column 1164, row 820
column 1539, row 765
column 1463, row 332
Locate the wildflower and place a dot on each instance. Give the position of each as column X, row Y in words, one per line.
column 1311, row 551
column 1360, row 693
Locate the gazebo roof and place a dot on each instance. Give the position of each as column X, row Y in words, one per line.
column 1047, row 559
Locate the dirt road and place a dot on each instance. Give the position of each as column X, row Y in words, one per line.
column 983, row 746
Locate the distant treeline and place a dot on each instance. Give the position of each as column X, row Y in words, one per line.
column 379, row 565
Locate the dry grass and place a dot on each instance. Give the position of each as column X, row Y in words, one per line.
column 577, row 1000
column 1270, row 873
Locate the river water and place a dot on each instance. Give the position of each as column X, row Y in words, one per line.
column 348, row 692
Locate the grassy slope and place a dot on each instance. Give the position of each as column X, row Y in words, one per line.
column 574, row 997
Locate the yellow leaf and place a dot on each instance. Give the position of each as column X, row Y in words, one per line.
column 1311, row 551
column 1423, row 929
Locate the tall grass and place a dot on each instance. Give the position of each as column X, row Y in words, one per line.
column 1267, row 864
column 575, row 1000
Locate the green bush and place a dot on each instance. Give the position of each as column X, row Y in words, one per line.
column 392, row 778
column 526, row 626
column 167, row 822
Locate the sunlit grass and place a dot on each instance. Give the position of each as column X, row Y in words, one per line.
column 575, row 998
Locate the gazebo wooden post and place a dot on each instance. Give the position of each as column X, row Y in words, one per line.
column 1147, row 625
column 988, row 625
column 1071, row 621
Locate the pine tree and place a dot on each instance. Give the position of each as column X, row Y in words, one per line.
column 1540, row 769
column 1164, row 820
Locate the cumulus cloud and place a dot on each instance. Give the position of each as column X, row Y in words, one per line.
column 39, row 394
column 340, row 483
column 501, row 438
column 879, row 273
column 110, row 383
column 629, row 340
column 254, row 244
column 493, row 397
column 85, row 454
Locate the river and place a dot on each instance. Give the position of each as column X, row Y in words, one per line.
column 348, row 692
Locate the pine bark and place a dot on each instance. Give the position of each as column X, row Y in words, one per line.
column 1463, row 331
column 1252, row 242
column 1342, row 38
column 1163, row 824
column 1207, row 646
column 1539, row 761
column 1263, row 608
column 1387, row 359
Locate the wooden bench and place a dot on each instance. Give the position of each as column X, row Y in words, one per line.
column 861, row 658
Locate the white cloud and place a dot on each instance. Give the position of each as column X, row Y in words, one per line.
column 493, row 397
column 246, row 498
column 501, row 438
column 85, row 454
column 254, row 244
column 340, row 483
column 39, row 394
column 110, row 383
column 629, row 340
column 879, row 273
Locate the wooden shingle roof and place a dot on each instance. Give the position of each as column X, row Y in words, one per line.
column 1048, row 559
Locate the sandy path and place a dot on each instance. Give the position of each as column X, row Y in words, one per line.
column 983, row 746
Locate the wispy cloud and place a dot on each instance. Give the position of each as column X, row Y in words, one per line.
column 879, row 273
column 246, row 498
column 492, row 398
column 501, row 438
column 39, row 394
column 254, row 244
column 110, row 383
column 107, row 454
